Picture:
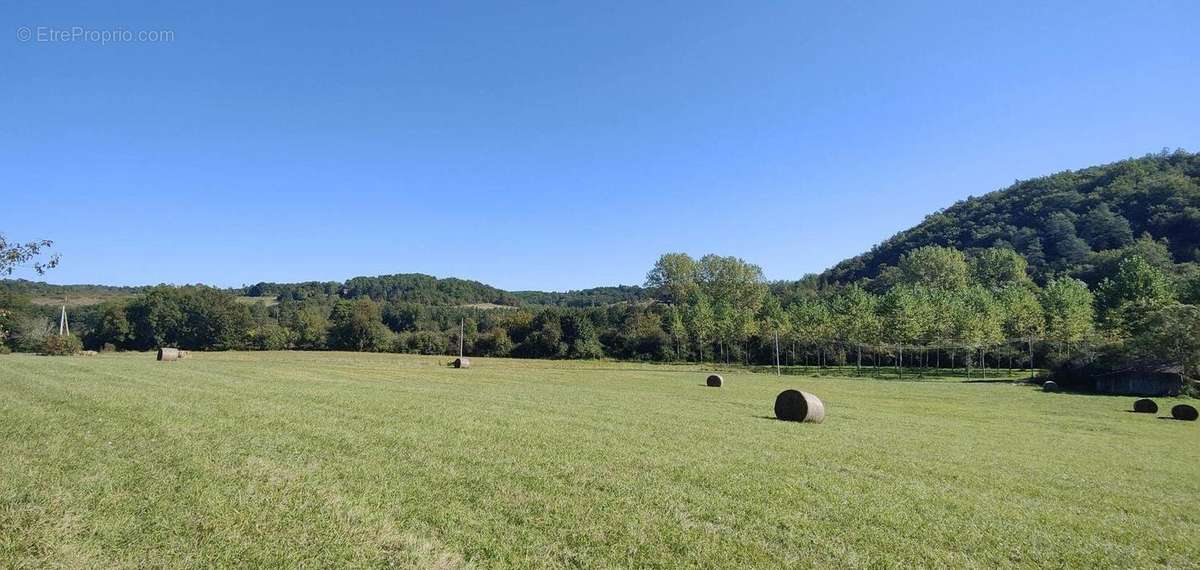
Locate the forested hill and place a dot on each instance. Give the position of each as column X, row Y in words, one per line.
column 594, row 297
column 1064, row 224
column 415, row 288
column 403, row 287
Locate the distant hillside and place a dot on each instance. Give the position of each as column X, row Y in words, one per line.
column 426, row 290
column 1063, row 223
column 415, row 288
column 594, row 297
column 71, row 295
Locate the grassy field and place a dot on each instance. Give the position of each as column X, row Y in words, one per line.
column 321, row 459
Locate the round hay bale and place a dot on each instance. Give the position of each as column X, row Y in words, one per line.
column 1145, row 406
column 1184, row 412
column 1050, row 386
column 797, row 406
column 462, row 362
column 169, row 354
column 715, row 381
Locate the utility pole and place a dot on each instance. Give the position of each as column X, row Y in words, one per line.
column 63, row 328
column 462, row 327
column 777, row 371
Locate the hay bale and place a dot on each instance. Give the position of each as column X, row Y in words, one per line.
column 1145, row 406
column 86, row 353
column 462, row 362
column 1050, row 386
column 169, row 354
column 797, row 406
column 715, row 381
column 1184, row 412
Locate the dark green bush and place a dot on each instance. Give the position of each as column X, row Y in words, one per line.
column 61, row 345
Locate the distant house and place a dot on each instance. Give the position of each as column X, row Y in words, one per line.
column 1152, row 381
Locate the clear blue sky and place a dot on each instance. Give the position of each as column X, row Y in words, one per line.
column 553, row 145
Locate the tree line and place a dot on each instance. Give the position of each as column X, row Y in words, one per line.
column 941, row 308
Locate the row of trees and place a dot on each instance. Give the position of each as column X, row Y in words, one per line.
column 944, row 309
column 937, row 306
column 941, row 302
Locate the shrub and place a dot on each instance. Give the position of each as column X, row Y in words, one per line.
column 270, row 336
column 5, row 349
column 31, row 334
column 427, row 342
column 587, row 349
column 61, row 345
column 495, row 342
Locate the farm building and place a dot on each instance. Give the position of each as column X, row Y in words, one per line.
column 1160, row 381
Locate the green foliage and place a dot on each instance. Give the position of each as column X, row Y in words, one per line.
column 30, row 332
column 1063, row 240
column 905, row 317
column 701, row 323
column 192, row 317
column 999, row 267
column 1043, row 218
column 589, row 348
column 28, row 289
column 1189, row 289
column 812, row 322
column 295, row 291
column 14, row 255
column 966, row 277
column 546, row 339
column 934, row 267
column 1170, row 335
column 494, row 342
column 425, row 290
column 61, row 345
column 978, row 318
column 1069, row 310
column 358, row 325
column 113, row 327
column 674, row 278
column 1104, row 229
column 731, row 280
column 1021, row 311
column 857, row 319
column 1136, row 285
column 594, row 297
column 310, row 325
column 422, row 342
column 270, row 336
column 1106, row 263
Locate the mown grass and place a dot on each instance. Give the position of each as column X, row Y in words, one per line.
column 332, row 459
